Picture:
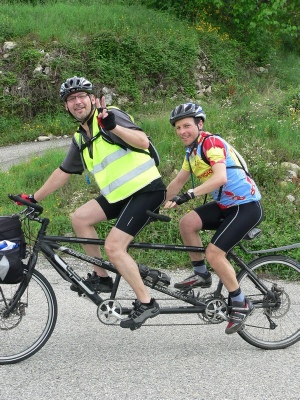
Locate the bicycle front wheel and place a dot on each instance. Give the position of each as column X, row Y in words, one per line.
column 275, row 321
column 28, row 327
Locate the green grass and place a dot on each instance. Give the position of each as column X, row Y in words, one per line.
column 70, row 24
column 150, row 58
column 137, row 53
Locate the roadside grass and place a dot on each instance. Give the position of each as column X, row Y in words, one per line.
column 137, row 53
column 70, row 22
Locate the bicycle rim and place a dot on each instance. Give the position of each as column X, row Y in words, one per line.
column 269, row 326
column 30, row 325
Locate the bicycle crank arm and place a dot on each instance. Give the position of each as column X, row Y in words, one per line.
column 222, row 315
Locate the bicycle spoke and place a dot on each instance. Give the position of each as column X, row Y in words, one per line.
column 275, row 322
column 24, row 331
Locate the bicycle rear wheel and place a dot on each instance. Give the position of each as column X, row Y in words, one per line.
column 26, row 330
column 274, row 324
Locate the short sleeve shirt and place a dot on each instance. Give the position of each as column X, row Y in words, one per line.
column 239, row 188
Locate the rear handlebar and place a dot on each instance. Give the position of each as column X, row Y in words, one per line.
column 158, row 217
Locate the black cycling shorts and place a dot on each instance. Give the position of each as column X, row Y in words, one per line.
column 231, row 224
column 131, row 212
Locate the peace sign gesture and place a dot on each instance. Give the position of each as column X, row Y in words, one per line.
column 106, row 119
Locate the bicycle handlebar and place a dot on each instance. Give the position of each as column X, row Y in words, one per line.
column 158, row 217
column 27, row 203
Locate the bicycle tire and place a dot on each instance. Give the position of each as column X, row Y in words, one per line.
column 31, row 324
column 278, row 327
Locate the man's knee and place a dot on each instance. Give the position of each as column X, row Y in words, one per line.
column 75, row 217
column 111, row 243
column 190, row 223
column 111, row 248
column 213, row 253
column 183, row 224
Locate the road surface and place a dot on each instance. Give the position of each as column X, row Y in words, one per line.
column 13, row 155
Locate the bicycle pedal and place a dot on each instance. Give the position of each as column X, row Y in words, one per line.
column 154, row 276
column 135, row 327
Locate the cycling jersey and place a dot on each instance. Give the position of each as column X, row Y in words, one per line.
column 239, row 188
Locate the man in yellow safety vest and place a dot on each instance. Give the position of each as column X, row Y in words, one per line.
column 129, row 182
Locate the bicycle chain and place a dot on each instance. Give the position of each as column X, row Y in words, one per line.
column 200, row 316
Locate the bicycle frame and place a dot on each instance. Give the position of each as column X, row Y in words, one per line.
column 273, row 323
column 49, row 245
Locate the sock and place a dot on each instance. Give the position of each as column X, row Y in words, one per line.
column 148, row 304
column 237, row 296
column 200, row 268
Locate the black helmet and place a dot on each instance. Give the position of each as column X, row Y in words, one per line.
column 187, row 110
column 73, row 85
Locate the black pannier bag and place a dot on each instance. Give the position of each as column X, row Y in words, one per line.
column 11, row 265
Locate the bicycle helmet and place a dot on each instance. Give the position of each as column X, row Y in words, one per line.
column 186, row 110
column 73, row 85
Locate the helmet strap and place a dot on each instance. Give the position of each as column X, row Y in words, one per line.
column 194, row 144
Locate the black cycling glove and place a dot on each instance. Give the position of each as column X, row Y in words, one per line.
column 109, row 122
column 181, row 198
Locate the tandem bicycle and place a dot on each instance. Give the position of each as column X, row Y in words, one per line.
column 28, row 309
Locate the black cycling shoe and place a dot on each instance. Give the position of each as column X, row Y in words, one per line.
column 99, row 284
column 139, row 314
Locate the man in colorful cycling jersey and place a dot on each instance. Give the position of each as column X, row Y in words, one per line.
column 129, row 182
column 236, row 208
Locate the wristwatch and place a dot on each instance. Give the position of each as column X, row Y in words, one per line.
column 191, row 193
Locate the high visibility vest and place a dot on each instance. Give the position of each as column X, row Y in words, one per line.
column 118, row 172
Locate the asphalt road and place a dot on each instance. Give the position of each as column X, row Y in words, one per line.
column 13, row 155
column 85, row 359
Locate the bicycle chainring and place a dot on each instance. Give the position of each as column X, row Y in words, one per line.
column 216, row 311
column 109, row 312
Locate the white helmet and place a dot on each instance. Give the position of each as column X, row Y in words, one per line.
column 186, row 110
column 73, row 85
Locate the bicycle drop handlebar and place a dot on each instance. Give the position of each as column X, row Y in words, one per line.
column 27, row 203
